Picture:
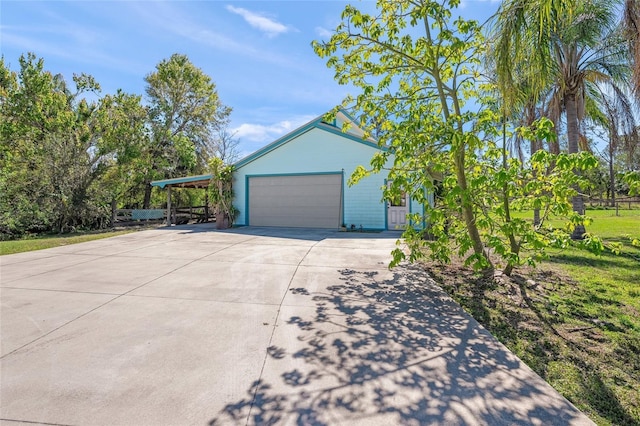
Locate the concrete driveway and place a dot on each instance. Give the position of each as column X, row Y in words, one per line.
column 187, row 325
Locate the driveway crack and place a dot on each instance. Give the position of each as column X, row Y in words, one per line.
column 273, row 331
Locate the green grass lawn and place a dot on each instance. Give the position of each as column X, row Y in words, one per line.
column 49, row 241
column 597, row 311
column 575, row 319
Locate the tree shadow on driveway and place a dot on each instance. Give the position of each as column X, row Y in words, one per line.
column 390, row 348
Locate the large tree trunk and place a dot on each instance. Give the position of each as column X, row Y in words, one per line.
column 467, row 206
column 535, row 146
column 554, row 144
column 612, row 177
column 147, row 196
column 573, row 136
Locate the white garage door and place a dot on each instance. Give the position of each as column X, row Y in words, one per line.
column 312, row 201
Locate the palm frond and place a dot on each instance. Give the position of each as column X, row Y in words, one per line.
column 631, row 25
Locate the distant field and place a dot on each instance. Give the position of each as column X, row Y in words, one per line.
column 597, row 212
column 605, row 222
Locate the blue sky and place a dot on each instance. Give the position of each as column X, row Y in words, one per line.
column 257, row 52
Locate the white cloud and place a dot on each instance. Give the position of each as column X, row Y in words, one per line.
column 323, row 32
column 27, row 44
column 79, row 53
column 261, row 133
column 172, row 18
column 267, row 25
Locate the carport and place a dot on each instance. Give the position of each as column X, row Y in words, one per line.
column 199, row 181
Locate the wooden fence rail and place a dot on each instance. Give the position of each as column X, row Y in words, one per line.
column 620, row 203
column 179, row 215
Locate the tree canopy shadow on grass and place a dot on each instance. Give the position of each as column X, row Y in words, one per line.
column 390, row 348
column 574, row 335
column 604, row 260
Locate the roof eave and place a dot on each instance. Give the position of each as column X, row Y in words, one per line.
column 185, row 182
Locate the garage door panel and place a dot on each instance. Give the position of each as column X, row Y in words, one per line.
column 297, row 201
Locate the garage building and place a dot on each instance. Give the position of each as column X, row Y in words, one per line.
column 300, row 180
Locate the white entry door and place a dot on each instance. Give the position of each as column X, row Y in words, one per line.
column 397, row 212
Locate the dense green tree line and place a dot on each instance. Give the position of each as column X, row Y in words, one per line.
column 67, row 151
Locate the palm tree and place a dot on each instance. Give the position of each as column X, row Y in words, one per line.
column 569, row 44
column 631, row 25
column 613, row 111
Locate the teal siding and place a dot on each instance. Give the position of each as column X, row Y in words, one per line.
column 317, row 150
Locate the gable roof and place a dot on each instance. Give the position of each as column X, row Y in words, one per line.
column 355, row 133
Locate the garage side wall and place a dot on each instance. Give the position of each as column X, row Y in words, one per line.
column 319, row 152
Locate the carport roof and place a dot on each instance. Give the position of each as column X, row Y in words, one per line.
column 200, row 181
